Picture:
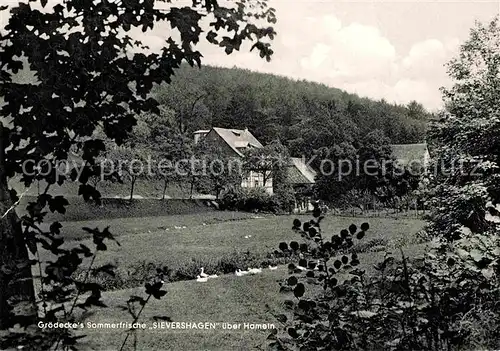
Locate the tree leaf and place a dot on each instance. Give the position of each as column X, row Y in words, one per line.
column 364, row 314
column 299, row 290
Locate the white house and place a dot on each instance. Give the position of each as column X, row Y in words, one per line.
column 236, row 141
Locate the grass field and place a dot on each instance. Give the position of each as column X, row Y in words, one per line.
column 249, row 299
column 136, row 225
column 225, row 299
column 205, row 239
column 209, row 237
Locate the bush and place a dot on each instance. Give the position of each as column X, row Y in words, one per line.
column 131, row 277
column 231, row 199
column 284, row 199
column 135, row 275
column 373, row 245
column 257, row 200
column 80, row 210
column 446, row 300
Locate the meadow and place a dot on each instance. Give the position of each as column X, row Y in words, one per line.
column 186, row 242
column 204, row 239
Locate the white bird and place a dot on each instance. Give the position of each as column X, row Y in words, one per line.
column 201, row 280
column 184, row 227
column 240, row 273
column 212, row 276
column 273, row 267
column 302, row 268
column 255, row 270
column 202, row 273
column 176, row 227
column 317, row 264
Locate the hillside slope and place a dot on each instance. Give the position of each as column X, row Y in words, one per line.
column 303, row 115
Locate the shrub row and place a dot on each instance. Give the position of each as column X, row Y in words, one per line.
column 80, row 210
column 257, row 200
column 133, row 276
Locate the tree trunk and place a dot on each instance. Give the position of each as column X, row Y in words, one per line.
column 132, row 189
column 192, row 189
column 165, row 184
column 16, row 280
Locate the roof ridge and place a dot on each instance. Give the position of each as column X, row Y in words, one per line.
column 408, row 144
column 231, row 129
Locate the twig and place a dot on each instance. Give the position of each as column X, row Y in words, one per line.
column 44, row 304
column 84, row 281
column 135, row 320
column 78, row 291
column 16, row 203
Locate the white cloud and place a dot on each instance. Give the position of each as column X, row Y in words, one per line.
column 402, row 92
column 353, row 56
column 359, row 59
column 366, row 40
column 350, row 52
column 406, row 90
column 375, row 89
column 424, row 50
column 318, row 56
column 425, row 59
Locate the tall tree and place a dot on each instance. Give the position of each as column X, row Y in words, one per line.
column 90, row 72
column 266, row 161
column 369, row 170
column 170, row 146
column 465, row 180
column 186, row 100
column 216, row 170
column 416, row 110
column 241, row 110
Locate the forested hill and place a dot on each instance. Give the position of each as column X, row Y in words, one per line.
column 303, row 115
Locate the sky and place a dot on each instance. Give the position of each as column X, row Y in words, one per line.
column 395, row 50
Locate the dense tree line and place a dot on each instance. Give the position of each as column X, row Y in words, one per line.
column 304, row 116
column 365, row 176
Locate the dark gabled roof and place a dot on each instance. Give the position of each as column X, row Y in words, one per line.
column 238, row 139
column 406, row 153
column 299, row 172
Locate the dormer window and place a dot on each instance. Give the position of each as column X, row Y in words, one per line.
column 236, row 133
